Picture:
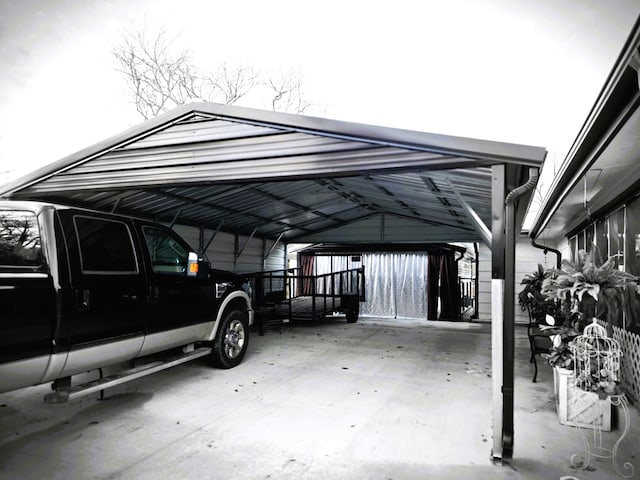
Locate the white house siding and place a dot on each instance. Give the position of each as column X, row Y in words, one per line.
column 527, row 259
column 484, row 283
column 564, row 247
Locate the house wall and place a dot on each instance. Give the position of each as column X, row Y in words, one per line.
column 527, row 259
column 564, row 247
column 484, row 283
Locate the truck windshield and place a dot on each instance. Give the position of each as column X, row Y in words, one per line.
column 19, row 240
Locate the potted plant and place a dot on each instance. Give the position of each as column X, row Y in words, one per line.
column 585, row 289
column 590, row 287
column 531, row 293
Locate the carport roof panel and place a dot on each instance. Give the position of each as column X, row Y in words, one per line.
column 276, row 174
column 205, row 142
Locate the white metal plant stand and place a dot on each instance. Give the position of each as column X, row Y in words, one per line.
column 597, row 370
column 593, row 444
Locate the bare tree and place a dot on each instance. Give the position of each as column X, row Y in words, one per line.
column 287, row 92
column 161, row 76
column 234, row 82
column 158, row 78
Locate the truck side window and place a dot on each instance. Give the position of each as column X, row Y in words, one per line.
column 105, row 246
column 167, row 254
column 20, row 247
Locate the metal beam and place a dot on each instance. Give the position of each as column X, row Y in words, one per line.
column 480, row 226
column 213, row 236
column 274, row 245
column 244, row 245
column 116, row 205
column 175, row 218
column 443, row 200
column 500, row 451
column 512, row 227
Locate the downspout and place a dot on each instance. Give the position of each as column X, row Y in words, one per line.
column 524, row 188
column 549, row 249
column 508, row 319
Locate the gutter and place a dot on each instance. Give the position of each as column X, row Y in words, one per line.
column 609, row 106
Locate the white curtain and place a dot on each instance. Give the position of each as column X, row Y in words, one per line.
column 396, row 285
column 329, row 264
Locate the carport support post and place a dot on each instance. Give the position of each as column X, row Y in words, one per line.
column 502, row 386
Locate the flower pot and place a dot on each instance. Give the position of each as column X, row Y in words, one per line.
column 578, row 408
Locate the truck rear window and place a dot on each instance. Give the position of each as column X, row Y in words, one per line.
column 19, row 241
column 105, row 246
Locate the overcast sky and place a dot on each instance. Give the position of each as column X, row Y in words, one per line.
column 521, row 71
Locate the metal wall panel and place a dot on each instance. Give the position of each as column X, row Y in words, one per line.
column 277, row 260
column 221, row 252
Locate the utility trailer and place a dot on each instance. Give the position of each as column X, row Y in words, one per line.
column 282, row 296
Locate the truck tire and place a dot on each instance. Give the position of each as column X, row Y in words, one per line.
column 352, row 315
column 232, row 340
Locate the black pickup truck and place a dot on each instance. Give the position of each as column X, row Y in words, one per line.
column 81, row 290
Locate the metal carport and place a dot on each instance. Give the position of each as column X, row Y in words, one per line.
column 294, row 178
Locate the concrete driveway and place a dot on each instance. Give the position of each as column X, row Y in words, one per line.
column 378, row 399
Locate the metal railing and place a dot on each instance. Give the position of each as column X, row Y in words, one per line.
column 468, row 297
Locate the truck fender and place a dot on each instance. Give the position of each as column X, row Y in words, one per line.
column 233, row 297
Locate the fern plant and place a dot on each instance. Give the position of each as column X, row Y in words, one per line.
column 588, row 282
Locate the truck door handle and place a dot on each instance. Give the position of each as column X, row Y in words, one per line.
column 83, row 300
column 154, row 293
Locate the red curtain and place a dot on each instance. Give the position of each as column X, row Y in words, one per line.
column 433, row 279
column 442, row 283
column 307, row 263
column 449, row 288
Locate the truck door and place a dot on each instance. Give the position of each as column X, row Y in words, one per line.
column 27, row 301
column 177, row 300
column 107, row 324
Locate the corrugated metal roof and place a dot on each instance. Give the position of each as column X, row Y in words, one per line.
column 279, row 174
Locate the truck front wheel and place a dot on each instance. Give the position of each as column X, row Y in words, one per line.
column 232, row 340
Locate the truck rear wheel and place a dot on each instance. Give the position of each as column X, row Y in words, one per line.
column 232, row 340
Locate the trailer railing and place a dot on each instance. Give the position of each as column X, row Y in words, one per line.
column 327, row 292
column 468, row 297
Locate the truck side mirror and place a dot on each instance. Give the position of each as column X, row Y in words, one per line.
column 193, row 266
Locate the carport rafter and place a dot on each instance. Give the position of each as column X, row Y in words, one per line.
column 401, row 203
column 264, row 220
column 444, row 201
column 420, row 201
column 355, row 198
column 291, row 203
column 477, row 221
column 300, row 239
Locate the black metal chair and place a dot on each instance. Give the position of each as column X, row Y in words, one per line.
column 539, row 341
